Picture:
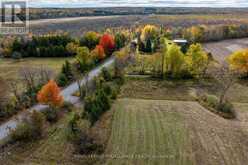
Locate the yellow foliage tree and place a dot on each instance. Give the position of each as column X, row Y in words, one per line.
column 174, row 61
column 149, row 32
column 197, row 60
column 239, row 61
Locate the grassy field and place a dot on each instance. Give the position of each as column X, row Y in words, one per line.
column 154, row 89
column 10, row 69
column 148, row 132
column 174, row 132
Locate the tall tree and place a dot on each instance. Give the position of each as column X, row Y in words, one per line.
column 108, row 43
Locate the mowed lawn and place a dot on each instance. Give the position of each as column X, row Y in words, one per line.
column 10, row 68
column 154, row 132
column 148, row 132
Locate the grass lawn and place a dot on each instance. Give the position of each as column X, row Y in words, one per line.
column 182, row 90
column 148, row 132
column 9, row 68
column 155, row 132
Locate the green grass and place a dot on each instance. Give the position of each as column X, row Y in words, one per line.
column 148, row 132
column 9, row 68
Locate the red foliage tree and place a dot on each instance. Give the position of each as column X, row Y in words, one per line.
column 108, row 43
column 50, row 94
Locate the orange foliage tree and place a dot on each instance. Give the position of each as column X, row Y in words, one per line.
column 50, row 94
column 108, row 43
column 99, row 53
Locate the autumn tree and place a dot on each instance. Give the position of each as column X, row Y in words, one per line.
column 174, row 61
column 98, row 53
column 108, row 43
column 50, row 95
column 84, row 59
column 71, row 48
column 239, row 61
column 194, row 34
column 90, row 40
column 122, row 59
column 120, row 40
column 197, row 60
column 149, row 37
column 149, row 32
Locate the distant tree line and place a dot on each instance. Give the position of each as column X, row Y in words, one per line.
column 45, row 13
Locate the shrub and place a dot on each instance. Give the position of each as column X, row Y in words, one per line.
column 31, row 128
column 62, row 80
column 107, row 89
column 16, row 55
column 96, row 105
column 78, row 134
column 74, row 128
column 106, row 74
column 87, row 146
column 227, row 108
column 67, row 70
column 51, row 114
column 212, row 101
column 115, row 92
column 68, row 106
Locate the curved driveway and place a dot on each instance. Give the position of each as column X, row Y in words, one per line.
column 66, row 93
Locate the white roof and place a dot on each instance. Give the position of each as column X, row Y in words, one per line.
column 180, row 40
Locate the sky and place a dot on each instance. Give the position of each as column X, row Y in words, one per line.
column 138, row 3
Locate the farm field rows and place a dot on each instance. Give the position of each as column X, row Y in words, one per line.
column 180, row 132
column 220, row 50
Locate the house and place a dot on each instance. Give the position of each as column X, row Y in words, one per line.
column 184, row 44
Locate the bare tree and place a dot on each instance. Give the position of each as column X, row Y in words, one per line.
column 3, row 92
column 17, row 93
column 32, row 77
column 225, row 78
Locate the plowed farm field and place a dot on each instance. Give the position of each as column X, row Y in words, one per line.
column 220, row 50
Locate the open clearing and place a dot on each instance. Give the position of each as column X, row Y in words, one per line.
column 174, row 132
column 153, row 89
column 220, row 50
column 10, row 69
